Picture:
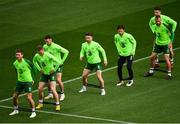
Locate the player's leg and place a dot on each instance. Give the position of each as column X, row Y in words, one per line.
column 59, row 81
column 168, row 63
column 15, row 104
column 152, row 61
column 40, row 94
column 85, row 74
column 32, row 104
column 18, row 89
column 56, row 96
column 28, row 90
column 61, row 86
column 157, row 49
column 171, row 54
column 50, row 94
column 157, row 65
column 156, row 58
column 171, row 49
column 130, row 70
column 152, row 64
column 121, row 62
column 101, row 81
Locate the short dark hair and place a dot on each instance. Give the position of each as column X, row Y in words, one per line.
column 120, row 27
column 88, row 34
column 39, row 47
column 157, row 8
column 47, row 37
column 19, row 51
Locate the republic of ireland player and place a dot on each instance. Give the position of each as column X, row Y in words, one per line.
column 61, row 54
column 126, row 46
column 161, row 45
column 47, row 64
column 170, row 24
column 24, row 69
column 90, row 50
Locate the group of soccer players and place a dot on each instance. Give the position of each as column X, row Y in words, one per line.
column 50, row 58
column 164, row 29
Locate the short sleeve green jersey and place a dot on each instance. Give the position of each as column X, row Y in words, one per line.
column 91, row 52
column 56, row 50
column 125, row 44
column 46, row 62
column 23, row 70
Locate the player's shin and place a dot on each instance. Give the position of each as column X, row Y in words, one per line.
column 56, row 96
column 168, row 63
column 32, row 104
column 15, row 103
column 40, row 95
column 152, row 64
column 15, row 99
column 101, row 82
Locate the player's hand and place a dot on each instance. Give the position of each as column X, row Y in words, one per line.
column 105, row 63
column 170, row 45
column 81, row 58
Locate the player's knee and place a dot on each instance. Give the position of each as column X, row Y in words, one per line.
column 40, row 89
column 152, row 58
column 53, row 87
column 84, row 76
column 98, row 74
column 29, row 97
column 53, row 90
column 15, row 96
column 167, row 59
column 59, row 81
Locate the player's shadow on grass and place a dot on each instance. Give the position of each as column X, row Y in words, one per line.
column 93, row 85
column 24, row 109
column 160, row 70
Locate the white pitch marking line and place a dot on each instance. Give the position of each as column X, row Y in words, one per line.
column 72, row 115
column 77, row 78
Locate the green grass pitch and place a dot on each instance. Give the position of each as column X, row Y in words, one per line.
column 24, row 23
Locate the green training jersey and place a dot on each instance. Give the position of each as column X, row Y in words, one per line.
column 125, row 44
column 167, row 21
column 91, row 52
column 46, row 62
column 162, row 34
column 23, row 69
column 57, row 51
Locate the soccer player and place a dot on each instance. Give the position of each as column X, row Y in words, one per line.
column 61, row 54
column 91, row 49
column 170, row 24
column 161, row 45
column 47, row 64
column 24, row 69
column 126, row 47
